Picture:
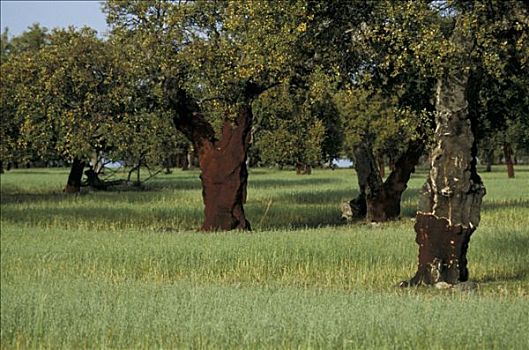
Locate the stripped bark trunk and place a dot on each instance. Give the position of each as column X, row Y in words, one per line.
column 449, row 210
column 507, row 153
column 222, row 162
column 73, row 185
column 224, row 175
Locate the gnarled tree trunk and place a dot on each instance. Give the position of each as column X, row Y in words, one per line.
column 222, row 162
column 449, row 210
column 369, row 180
column 386, row 204
column 380, row 201
column 224, row 175
column 74, row 178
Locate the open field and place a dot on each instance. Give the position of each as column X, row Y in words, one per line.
column 128, row 270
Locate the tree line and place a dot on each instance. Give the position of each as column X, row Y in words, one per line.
column 302, row 82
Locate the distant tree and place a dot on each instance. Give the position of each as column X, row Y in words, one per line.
column 19, row 71
column 298, row 126
column 62, row 96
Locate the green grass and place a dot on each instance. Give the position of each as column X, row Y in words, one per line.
column 128, row 269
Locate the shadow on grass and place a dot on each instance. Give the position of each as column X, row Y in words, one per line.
column 90, row 217
column 298, row 181
column 515, row 277
column 504, row 204
column 41, row 171
column 20, row 198
column 514, row 246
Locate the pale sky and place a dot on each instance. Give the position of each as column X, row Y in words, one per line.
column 17, row 15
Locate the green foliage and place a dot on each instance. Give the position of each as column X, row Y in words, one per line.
column 60, row 97
column 295, row 141
column 377, row 120
column 298, row 125
column 31, row 40
column 19, row 71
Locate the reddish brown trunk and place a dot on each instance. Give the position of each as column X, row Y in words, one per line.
column 222, row 162
column 224, row 175
column 507, row 153
column 73, row 185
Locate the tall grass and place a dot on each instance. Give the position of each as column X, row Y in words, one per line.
column 128, row 270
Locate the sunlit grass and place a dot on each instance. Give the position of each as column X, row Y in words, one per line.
column 128, row 269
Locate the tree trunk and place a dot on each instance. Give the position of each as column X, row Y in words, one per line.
column 224, row 175
column 369, row 180
column 380, row 201
column 74, row 178
column 386, row 204
column 222, row 162
column 449, row 210
column 303, row 169
column 489, row 159
column 507, row 153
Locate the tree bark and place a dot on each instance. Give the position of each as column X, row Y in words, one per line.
column 224, row 175
column 380, row 201
column 73, row 185
column 369, row 180
column 449, row 210
column 222, row 163
column 507, row 153
column 386, row 204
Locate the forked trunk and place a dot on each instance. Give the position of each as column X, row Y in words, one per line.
column 222, row 162
column 386, row 204
column 224, row 175
column 74, row 178
column 507, row 153
column 380, row 201
column 449, row 211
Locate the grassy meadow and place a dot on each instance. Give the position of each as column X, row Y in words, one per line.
column 127, row 269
